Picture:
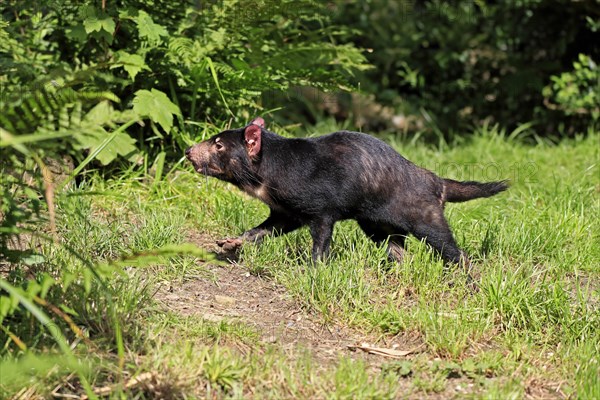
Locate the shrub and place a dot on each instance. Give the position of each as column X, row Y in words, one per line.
column 459, row 63
column 213, row 60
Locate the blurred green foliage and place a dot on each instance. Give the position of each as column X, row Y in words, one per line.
column 173, row 62
column 576, row 92
column 459, row 63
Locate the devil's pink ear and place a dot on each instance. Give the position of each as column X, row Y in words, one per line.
column 258, row 121
column 252, row 136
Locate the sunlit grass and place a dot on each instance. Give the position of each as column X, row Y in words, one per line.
column 535, row 318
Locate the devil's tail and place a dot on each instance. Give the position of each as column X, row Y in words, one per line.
column 456, row 191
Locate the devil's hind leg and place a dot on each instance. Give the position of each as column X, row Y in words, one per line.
column 437, row 234
column 380, row 232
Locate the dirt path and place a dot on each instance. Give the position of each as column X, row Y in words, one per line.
column 232, row 293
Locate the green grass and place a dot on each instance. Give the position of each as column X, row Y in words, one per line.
column 533, row 328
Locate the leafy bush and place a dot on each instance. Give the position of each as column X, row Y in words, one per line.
column 456, row 64
column 214, row 60
column 576, row 92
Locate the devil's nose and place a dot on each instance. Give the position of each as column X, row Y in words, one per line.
column 188, row 151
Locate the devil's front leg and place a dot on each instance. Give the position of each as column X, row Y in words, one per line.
column 277, row 223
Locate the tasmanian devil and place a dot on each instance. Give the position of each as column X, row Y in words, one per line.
column 315, row 182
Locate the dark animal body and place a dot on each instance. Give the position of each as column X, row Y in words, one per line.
column 315, row 182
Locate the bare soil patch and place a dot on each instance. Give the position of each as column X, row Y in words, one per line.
column 230, row 292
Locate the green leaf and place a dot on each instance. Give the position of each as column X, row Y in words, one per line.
column 67, row 279
column 158, row 166
column 32, row 194
column 8, row 140
column 33, row 259
column 33, row 288
column 5, row 306
column 121, row 145
column 215, row 77
column 155, row 105
column 149, row 30
column 77, row 33
column 46, row 284
column 94, row 137
column 100, row 114
column 219, row 37
column 21, row 372
column 149, row 257
column 88, row 276
column 405, row 368
column 95, row 24
column 94, row 153
column 68, row 310
column 132, row 63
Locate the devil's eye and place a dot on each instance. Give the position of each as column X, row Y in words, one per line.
column 219, row 146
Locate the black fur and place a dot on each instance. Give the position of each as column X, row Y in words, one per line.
column 315, row 182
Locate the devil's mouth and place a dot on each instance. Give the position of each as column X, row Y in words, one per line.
column 208, row 171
